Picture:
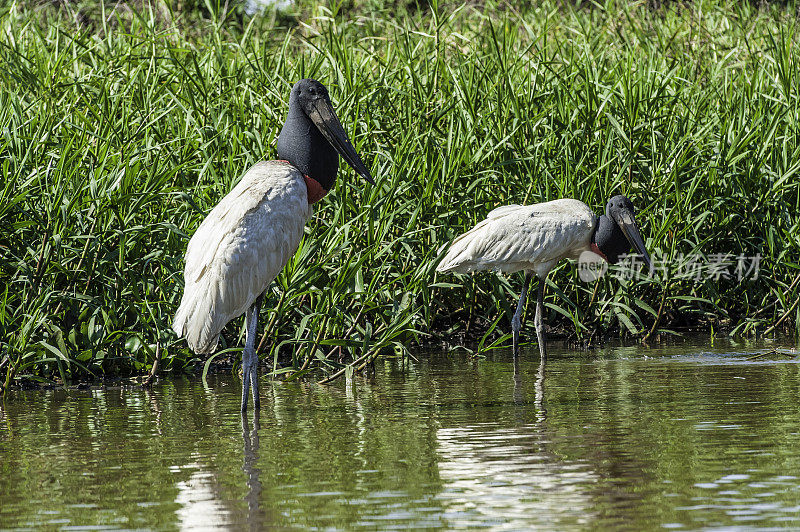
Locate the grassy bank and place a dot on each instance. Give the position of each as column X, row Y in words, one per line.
column 118, row 137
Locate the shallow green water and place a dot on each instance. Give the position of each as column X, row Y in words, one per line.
column 638, row 438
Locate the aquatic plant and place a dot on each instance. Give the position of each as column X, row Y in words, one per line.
column 119, row 136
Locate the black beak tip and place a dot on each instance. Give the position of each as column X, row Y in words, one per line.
column 368, row 178
column 649, row 265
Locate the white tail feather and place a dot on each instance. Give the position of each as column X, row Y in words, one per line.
column 195, row 321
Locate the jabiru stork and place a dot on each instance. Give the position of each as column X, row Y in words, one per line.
column 533, row 238
column 249, row 236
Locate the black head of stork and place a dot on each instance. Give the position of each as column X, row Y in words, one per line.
column 312, row 136
column 617, row 231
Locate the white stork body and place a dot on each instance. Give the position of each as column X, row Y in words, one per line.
column 523, row 237
column 533, row 238
column 239, row 249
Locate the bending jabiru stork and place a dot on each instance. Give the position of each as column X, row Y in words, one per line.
column 533, row 238
column 246, row 240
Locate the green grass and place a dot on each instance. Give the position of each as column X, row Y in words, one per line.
column 118, row 138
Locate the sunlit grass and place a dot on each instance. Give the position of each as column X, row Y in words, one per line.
column 117, row 141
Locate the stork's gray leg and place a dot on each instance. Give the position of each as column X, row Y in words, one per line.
column 538, row 386
column 537, row 321
column 250, row 358
column 516, row 321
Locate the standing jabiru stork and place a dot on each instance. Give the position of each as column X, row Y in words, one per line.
column 533, row 238
column 246, row 240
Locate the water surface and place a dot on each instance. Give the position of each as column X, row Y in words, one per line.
column 676, row 438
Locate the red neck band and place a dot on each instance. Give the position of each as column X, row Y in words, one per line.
column 315, row 190
column 596, row 249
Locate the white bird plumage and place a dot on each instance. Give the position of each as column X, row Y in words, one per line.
column 523, row 237
column 239, row 249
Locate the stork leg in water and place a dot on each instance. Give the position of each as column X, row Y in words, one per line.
column 250, row 357
column 537, row 321
column 516, row 321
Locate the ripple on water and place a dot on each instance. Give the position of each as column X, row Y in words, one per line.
column 490, row 482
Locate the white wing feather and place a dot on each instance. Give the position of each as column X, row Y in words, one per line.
column 529, row 237
column 239, row 249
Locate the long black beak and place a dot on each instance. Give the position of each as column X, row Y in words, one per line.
column 627, row 223
column 324, row 117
